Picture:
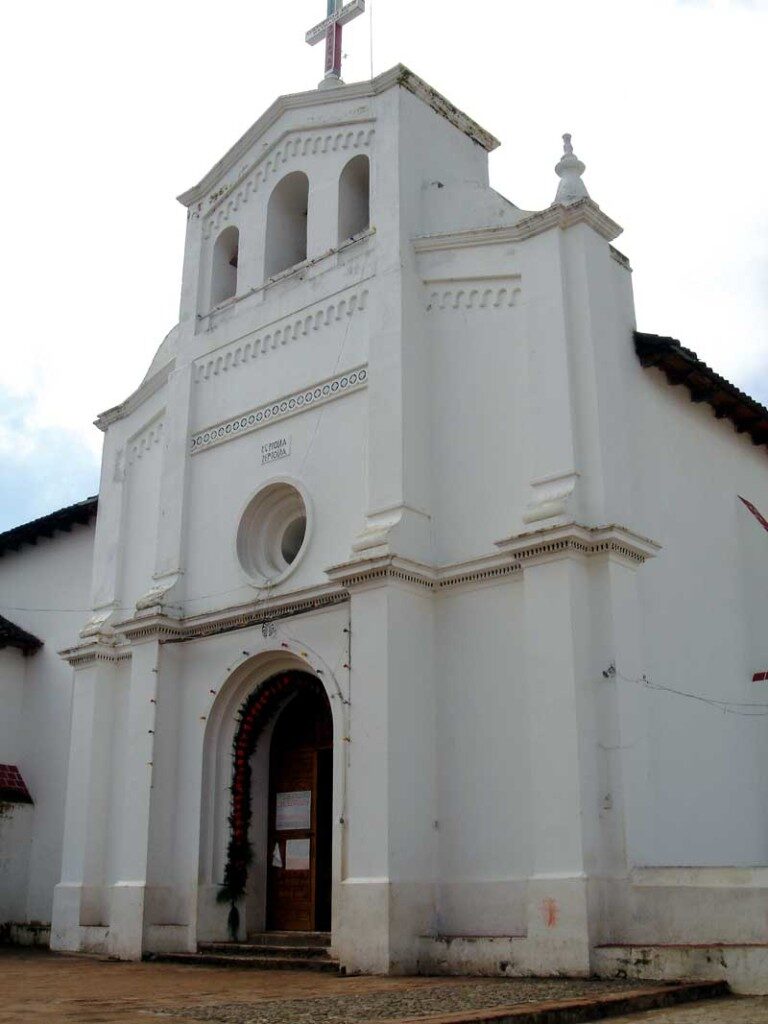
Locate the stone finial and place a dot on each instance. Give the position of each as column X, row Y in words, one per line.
column 570, row 169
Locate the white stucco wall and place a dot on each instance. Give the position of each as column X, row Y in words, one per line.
column 702, row 610
column 484, row 798
column 45, row 589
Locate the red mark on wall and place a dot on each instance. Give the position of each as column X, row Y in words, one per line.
column 550, row 912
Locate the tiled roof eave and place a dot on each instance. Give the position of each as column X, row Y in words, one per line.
column 13, row 789
column 62, row 519
column 682, row 366
column 12, row 635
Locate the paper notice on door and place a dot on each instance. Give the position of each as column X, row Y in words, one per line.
column 293, row 811
column 297, row 855
column 277, row 860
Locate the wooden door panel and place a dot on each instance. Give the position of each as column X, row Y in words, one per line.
column 298, row 898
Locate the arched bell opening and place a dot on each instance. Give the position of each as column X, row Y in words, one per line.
column 354, row 198
column 224, row 266
column 278, row 857
column 287, row 212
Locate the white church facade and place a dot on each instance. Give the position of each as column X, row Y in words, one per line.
column 410, row 561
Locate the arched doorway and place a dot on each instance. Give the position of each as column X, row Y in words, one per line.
column 300, row 815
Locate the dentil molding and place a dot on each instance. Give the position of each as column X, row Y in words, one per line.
column 342, row 136
column 554, row 542
column 341, row 307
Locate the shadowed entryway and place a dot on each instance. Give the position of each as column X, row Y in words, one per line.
column 300, row 801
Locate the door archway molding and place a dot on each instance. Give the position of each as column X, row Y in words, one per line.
column 236, row 685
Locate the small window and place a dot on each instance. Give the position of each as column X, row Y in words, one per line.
column 272, row 534
column 224, row 272
column 287, row 224
column 354, row 198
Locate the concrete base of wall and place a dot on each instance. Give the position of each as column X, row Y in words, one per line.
column 30, row 934
column 744, row 967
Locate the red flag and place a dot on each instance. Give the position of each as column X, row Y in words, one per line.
column 755, row 512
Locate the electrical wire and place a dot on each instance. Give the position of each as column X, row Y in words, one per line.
column 743, row 709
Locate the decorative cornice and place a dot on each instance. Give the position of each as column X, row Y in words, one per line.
column 140, row 395
column 291, row 145
column 408, row 80
column 367, row 571
column 477, row 571
column 344, row 304
column 573, row 539
column 280, row 409
column 583, row 212
column 104, row 650
column 156, row 626
column 396, row 76
column 620, row 258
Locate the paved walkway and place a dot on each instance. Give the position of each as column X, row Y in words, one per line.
column 50, row 989
column 713, row 1011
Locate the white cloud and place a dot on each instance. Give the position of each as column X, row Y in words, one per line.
column 117, row 108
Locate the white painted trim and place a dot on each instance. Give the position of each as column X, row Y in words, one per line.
column 584, row 212
column 282, row 408
column 399, row 75
column 138, row 397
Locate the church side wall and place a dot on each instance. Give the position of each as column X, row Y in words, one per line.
column 45, row 589
column 708, row 771
column 15, row 819
column 698, row 826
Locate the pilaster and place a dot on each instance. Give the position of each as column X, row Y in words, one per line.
column 109, row 527
column 551, row 442
column 398, row 471
column 133, row 805
column 558, row 919
column 80, row 914
column 580, row 609
column 387, row 898
column 191, row 284
column 165, row 593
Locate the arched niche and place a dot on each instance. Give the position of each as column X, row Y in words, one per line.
column 224, row 265
column 354, row 198
column 287, row 224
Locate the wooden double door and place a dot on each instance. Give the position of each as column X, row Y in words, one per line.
column 300, row 810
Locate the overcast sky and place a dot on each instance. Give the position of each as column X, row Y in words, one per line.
column 113, row 109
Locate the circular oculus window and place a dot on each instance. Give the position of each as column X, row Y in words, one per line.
column 272, row 534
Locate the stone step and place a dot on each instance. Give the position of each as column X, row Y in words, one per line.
column 259, row 949
column 289, row 939
column 250, row 962
column 744, row 966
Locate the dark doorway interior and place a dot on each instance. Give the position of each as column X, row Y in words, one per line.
column 300, row 809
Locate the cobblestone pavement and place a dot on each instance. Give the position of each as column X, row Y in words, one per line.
column 45, row 988
column 440, row 997
column 712, row 1011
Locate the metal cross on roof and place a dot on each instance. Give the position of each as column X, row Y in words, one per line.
column 339, row 14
